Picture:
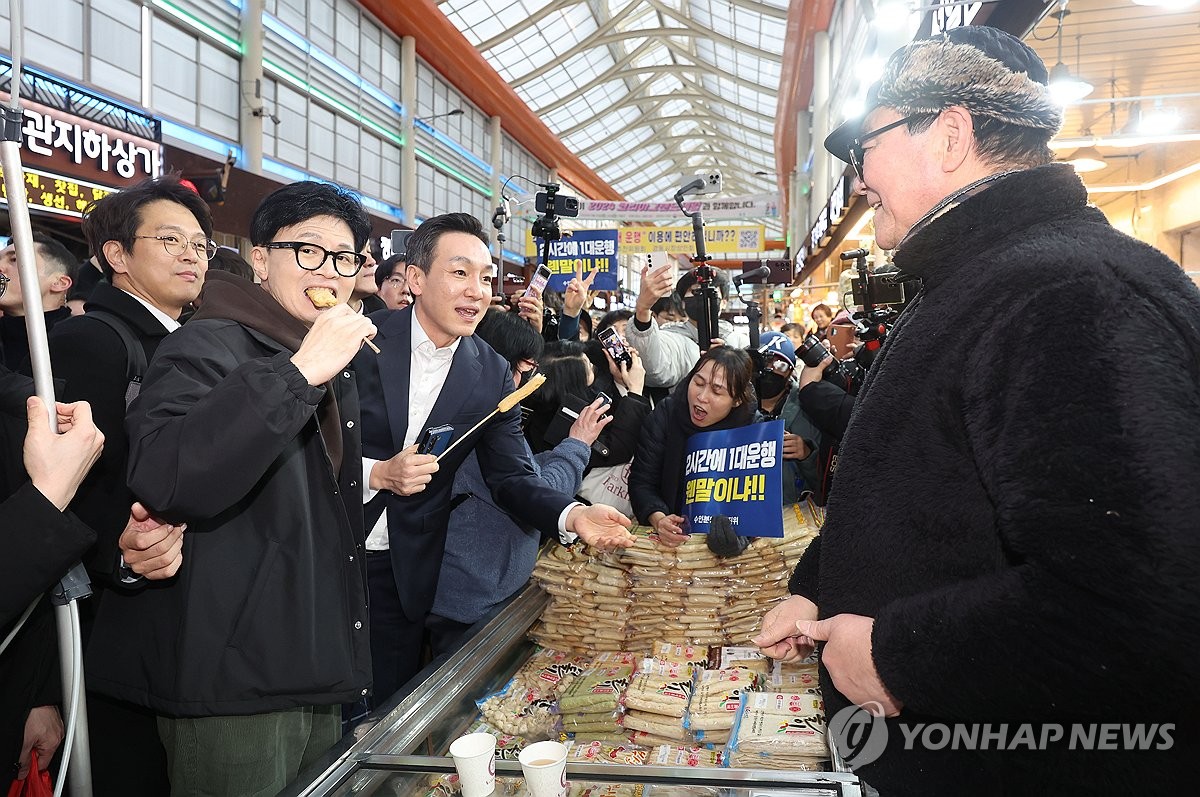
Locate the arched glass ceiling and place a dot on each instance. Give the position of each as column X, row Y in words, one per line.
column 644, row 91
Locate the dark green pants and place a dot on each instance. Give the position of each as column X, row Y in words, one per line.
column 254, row 756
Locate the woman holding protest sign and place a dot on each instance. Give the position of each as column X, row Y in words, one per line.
column 718, row 394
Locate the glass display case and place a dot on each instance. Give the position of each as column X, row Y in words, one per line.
column 405, row 753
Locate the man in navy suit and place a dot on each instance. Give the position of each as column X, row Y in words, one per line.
column 433, row 371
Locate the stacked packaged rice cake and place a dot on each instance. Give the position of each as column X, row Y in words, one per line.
column 650, row 592
column 591, row 706
column 779, row 730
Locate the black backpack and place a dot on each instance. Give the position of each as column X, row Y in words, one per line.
column 135, row 355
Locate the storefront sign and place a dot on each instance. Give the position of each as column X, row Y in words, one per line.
column 71, row 161
column 830, row 216
column 718, row 239
column 954, row 14
column 60, row 195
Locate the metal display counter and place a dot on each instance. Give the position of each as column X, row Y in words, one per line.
column 406, row 750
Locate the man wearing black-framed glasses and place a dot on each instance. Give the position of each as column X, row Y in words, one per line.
column 247, row 428
column 1040, row 497
column 856, row 146
column 137, row 237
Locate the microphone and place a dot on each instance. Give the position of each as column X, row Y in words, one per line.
column 761, row 271
column 854, row 253
column 694, row 185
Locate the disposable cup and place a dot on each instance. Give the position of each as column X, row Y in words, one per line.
column 475, row 759
column 544, row 765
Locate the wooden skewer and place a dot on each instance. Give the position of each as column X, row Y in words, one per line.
column 507, row 403
column 374, row 348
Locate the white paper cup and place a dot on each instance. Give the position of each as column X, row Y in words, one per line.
column 544, row 765
column 475, row 759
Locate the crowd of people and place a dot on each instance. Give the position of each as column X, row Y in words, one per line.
column 274, row 550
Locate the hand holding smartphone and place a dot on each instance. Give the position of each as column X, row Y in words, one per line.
column 435, row 440
column 841, row 341
column 538, row 283
column 611, row 340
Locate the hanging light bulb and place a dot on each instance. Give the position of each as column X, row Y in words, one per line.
column 1065, row 88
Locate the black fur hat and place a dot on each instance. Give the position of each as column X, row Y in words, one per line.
column 985, row 70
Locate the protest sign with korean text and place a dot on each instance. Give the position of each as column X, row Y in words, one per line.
column 736, row 473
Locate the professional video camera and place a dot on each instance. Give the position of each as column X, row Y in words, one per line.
column 881, row 299
column 846, row 374
column 880, row 295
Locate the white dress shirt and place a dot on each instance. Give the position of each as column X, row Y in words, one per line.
column 427, row 371
column 428, row 368
column 170, row 323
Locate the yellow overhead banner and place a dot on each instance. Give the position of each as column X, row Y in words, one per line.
column 718, row 239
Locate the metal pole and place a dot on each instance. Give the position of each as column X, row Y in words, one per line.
column 75, row 584
column 252, row 106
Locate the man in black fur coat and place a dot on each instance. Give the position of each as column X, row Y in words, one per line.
column 1011, row 546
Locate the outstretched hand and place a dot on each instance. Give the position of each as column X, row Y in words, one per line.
column 601, row 527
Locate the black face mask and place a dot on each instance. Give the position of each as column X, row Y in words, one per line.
column 695, row 307
column 770, row 384
column 525, row 376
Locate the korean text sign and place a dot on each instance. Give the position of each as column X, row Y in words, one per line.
column 736, row 473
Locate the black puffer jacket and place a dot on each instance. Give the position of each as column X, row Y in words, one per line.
column 1016, row 501
column 269, row 609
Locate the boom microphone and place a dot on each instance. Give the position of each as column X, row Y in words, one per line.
column 854, row 253
column 761, row 271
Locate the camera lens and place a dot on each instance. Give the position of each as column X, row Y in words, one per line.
column 811, row 350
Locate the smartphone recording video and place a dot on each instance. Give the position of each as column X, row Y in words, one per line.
column 538, row 283
column 610, row 339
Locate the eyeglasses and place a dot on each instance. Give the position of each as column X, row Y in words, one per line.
column 205, row 248
column 525, row 374
column 856, row 149
column 311, row 257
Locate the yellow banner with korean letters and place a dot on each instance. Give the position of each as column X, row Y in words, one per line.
column 718, row 239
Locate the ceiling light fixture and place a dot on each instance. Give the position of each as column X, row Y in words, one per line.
column 1146, row 186
column 1087, row 159
column 1170, row 5
column 1159, row 119
column 1065, row 88
column 1125, row 141
column 892, row 15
